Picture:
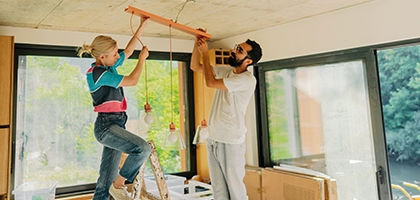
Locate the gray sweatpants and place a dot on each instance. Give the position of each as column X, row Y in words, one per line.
column 227, row 170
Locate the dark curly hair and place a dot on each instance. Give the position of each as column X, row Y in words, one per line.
column 256, row 53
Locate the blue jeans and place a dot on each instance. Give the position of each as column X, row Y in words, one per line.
column 110, row 132
column 227, row 170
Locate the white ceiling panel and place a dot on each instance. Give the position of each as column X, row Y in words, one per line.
column 221, row 18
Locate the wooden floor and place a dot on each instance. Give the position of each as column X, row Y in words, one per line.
column 79, row 197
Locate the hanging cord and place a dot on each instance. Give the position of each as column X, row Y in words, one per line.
column 170, row 60
column 131, row 26
column 182, row 8
column 204, row 100
column 145, row 76
column 145, row 66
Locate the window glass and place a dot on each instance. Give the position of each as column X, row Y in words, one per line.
column 399, row 74
column 55, row 118
column 319, row 118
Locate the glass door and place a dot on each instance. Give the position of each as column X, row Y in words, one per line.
column 320, row 115
column 399, row 74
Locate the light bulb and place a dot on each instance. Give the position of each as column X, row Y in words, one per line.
column 149, row 118
column 204, row 133
column 172, row 137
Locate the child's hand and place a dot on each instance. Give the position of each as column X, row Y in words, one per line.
column 144, row 21
column 144, row 53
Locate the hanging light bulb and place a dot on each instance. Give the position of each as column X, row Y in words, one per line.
column 149, row 117
column 173, row 136
column 196, row 139
column 201, row 133
column 147, row 108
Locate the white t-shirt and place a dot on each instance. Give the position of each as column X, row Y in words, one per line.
column 226, row 120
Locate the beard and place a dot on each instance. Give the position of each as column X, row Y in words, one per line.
column 235, row 62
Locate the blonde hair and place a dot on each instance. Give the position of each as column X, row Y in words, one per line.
column 100, row 45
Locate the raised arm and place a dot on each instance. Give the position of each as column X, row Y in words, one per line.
column 131, row 45
column 206, row 68
column 195, row 64
column 133, row 78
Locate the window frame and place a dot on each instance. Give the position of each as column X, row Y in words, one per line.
column 70, row 51
column 368, row 54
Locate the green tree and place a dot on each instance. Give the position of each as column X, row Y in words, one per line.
column 400, row 81
column 277, row 115
column 159, row 97
column 58, row 114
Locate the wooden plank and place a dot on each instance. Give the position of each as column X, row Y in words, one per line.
column 4, row 160
column 6, row 67
column 6, row 105
column 166, row 22
column 78, row 197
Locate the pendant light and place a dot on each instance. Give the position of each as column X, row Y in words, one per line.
column 149, row 118
column 173, row 135
column 202, row 132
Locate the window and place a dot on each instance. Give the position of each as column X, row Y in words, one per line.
column 399, row 74
column 316, row 113
column 54, row 115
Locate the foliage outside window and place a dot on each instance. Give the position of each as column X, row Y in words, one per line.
column 318, row 118
column 55, row 118
column 399, row 74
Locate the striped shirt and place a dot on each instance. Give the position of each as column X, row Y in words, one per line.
column 104, row 87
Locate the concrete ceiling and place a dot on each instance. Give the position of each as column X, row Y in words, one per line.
column 221, row 18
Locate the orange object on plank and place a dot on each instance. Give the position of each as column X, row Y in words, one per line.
column 161, row 20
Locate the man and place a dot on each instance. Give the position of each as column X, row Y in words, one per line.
column 234, row 86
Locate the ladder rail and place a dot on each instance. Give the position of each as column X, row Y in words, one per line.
column 139, row 186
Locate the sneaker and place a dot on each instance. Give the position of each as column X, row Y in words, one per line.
column 119, row 194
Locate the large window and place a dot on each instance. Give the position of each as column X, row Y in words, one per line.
column 317, row 113
column 54, row 115
column 399, row 73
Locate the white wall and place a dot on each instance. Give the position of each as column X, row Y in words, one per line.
column 68, row 38
column 377, row 22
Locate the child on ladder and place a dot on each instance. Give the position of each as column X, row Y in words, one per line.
column 106, row 89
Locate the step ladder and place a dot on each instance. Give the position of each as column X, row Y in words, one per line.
column 139, row 186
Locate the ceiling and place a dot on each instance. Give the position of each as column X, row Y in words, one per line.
column 221, row 18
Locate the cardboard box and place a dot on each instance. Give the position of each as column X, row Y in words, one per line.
column 330, row 185
column 252, row 182
column 277, row 185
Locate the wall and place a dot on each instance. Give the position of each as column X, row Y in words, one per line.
column 376, row 22
column 69, row 38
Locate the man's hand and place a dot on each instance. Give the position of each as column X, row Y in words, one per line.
column 202, row 45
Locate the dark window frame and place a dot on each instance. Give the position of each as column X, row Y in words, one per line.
column 368, row 54
column 70, row 51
